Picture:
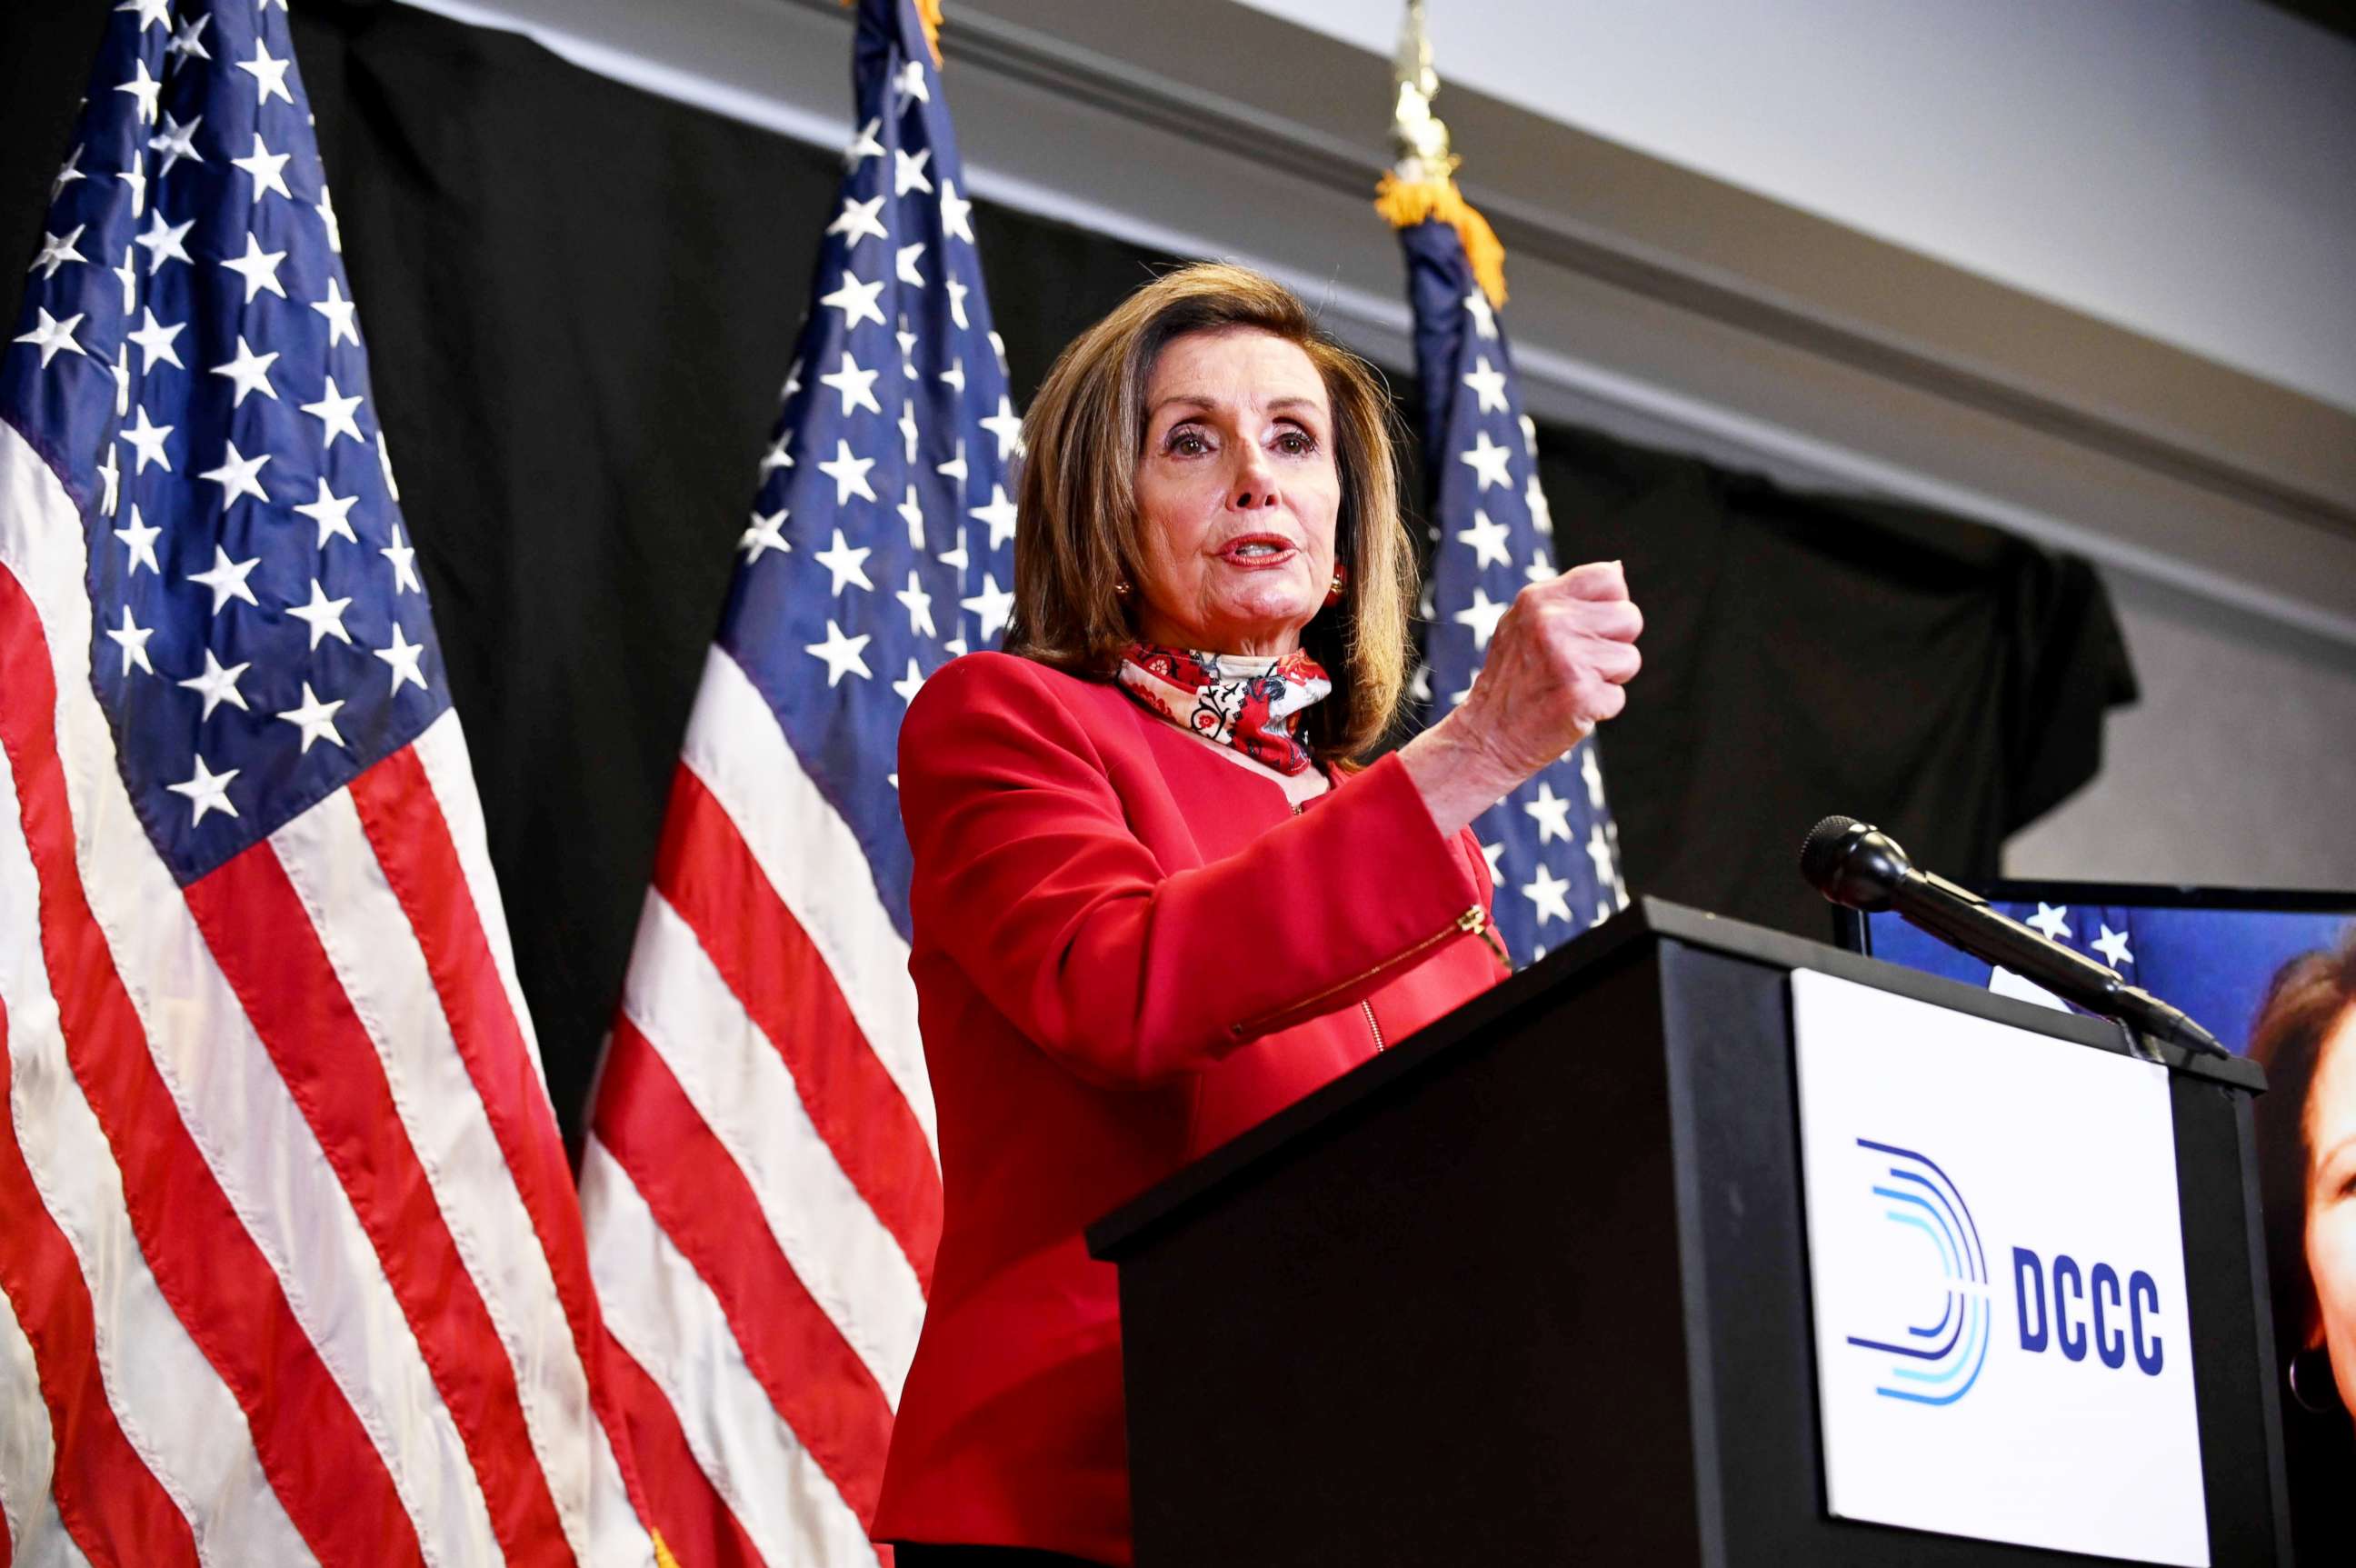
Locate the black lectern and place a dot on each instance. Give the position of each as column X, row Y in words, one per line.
column 1532, row 1288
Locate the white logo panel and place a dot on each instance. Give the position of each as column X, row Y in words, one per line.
column 1997, row 1269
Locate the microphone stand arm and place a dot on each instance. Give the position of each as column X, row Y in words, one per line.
column 1958, row 916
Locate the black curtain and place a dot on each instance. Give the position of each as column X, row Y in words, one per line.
column 1806, row 655
column 578, row 301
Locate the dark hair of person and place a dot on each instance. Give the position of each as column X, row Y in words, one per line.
column 1076, row 518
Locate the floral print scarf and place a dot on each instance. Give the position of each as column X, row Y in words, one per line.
column 1252, row 705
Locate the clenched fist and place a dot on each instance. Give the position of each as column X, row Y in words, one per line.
column 1556, row 667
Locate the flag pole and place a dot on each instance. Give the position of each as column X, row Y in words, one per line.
column 1421, row 185
column 1551, row 845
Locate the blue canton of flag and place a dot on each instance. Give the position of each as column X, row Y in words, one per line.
column 2106, row 934
column 1553, row 849
column 188, row 358
column 2214, row 963
column 881, row 541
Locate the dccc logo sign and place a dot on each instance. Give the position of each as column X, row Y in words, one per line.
column 2082, row 1309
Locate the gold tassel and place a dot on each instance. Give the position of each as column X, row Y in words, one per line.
column 928, row 11
column 663, row 1559
column 1406, row 202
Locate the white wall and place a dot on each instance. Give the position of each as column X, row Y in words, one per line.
column 2237, row 769
column 2180, row 168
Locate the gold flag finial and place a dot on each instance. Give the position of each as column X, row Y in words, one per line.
column 1422, row 187
column 1420, row 135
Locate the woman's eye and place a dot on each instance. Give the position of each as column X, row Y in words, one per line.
column 1186, row 441
column 1296, row 443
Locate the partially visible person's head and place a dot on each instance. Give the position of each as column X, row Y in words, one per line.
column 2305, row 1039
column 1202, row 464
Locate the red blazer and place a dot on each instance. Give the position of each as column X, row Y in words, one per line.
column 1127, row 950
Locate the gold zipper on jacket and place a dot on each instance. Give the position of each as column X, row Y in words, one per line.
column 1474, row 919
column 1488, row 934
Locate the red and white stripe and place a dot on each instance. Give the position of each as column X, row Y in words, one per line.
column 294, row 1266
column 762, row 1187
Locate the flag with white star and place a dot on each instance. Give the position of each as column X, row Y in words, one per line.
column 293, row 1268
column 2104, row 932
column 2212, row 955
column 1553, row 848
column 761, row 1180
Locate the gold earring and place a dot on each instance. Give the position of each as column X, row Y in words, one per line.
column 1120, row 588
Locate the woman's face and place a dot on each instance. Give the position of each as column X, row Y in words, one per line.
column 1237, row 495
column 2331, row 1197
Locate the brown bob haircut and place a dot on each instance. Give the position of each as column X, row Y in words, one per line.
column 2308, row 997
column 1077, row 522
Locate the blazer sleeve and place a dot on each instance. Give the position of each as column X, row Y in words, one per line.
column 1031, row 881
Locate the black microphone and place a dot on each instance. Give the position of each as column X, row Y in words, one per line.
column 1858, row 864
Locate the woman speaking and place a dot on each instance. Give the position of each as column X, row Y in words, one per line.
column 1154, row 901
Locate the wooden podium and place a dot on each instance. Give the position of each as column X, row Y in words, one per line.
column 1531, row 1287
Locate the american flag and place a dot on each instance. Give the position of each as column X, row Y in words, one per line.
column 2214, row 963
column 1553, row 848
column 292, row 1266
column 2216, row 956
column 761, row 1180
